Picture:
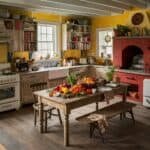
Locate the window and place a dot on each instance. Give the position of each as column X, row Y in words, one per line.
column 47, row 39
column 105, row 43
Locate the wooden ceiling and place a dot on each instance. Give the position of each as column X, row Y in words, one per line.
column 78, row 7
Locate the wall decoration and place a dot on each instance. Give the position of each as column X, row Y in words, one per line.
column 137, row 18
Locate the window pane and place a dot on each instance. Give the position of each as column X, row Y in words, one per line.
column 51, row 47
column 44, row 29
column 43, row 37
column 49, row 30
column 105, row 44
column 47, row 39
column 44, row 46
column 39, row 46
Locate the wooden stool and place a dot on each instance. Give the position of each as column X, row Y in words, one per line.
column 46, row 109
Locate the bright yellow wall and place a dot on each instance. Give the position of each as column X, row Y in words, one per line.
column 47, row 17
column 109, row 22
column 104, row 22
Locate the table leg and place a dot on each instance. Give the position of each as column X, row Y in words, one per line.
column 66, row 130
column 124, row 96
column 45, row 119
column 41, row 116
column 96, row 106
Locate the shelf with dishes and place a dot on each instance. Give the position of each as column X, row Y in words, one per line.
column 78, row 45
column 76, row 36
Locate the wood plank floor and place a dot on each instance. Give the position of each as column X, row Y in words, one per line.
column 18, row 133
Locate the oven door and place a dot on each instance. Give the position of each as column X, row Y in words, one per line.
column 9, row 92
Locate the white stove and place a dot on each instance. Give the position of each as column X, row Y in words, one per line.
column 9, row 91
column 6, row 79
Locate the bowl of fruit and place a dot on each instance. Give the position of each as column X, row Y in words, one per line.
column 84, row 86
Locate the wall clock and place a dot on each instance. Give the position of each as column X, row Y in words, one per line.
column 137, row 18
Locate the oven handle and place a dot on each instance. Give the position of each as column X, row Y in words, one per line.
column 14, row 84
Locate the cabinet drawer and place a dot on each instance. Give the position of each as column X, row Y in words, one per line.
column 55, row 74
column 34, row 76
column 128, row 78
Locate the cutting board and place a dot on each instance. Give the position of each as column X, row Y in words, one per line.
column 3, row 52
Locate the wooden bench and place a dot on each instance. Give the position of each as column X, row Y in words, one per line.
column 109, row 112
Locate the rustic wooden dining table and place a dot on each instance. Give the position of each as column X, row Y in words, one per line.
column 66, row 105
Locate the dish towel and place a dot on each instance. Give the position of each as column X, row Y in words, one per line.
column 100, row 120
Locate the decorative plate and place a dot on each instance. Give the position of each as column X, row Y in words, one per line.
column 137, row 18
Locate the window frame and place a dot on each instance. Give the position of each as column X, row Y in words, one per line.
column 58, row 35
column 97, row 38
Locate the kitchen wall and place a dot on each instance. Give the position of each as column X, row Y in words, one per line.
column 39, row 16
column 97, row 22
column 111, row 22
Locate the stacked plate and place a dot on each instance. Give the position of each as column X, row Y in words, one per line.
column 104, row 89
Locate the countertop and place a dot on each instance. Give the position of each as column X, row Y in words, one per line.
column 53, row 69
column 138, row 72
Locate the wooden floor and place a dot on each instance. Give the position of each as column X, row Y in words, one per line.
column 18, row 133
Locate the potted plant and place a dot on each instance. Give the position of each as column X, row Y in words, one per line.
column 122, row 30
column 110, row 73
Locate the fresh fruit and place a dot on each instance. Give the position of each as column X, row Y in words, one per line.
column 89, row 91
column 76, row 89
column 82, row 87
column 57, row 88
column 89, row 80
column 64, row 90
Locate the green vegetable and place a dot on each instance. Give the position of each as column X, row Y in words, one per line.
column 72, row 79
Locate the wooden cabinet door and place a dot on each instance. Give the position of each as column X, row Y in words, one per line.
column 55, row 82
column 82, row 71
column 26, row 81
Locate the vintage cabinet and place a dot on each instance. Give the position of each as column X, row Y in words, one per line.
column 136, row 84
column 82, row 71
column 56, row 77
column 30, row 36
column 101, row 71
column 26, row 80
column 55, row 82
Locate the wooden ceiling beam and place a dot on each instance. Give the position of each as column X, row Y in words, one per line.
column 74, row 8
column 50, row 9
column 134, row 3
column 110, row 3
column 84, row 4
